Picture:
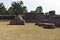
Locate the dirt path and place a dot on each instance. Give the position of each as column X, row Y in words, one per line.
column 27, row 32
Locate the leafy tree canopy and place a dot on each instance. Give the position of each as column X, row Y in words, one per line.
column 2, row 8
column 17, row 7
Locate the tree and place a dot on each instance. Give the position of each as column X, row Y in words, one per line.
column 39, row 9
column 10, row 11
column 2, row 9
column 25, row 9
column 17, row 7
column 21, row 2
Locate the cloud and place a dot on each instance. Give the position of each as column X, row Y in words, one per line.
column 32, row 4
column 46, row 4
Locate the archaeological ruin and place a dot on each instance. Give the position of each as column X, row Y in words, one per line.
column 18, row 20
column 41, row 17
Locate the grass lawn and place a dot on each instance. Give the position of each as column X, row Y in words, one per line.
column 29, row 31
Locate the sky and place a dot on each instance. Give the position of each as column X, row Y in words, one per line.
column 32, row 4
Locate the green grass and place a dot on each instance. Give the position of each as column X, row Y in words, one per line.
column 29, row 31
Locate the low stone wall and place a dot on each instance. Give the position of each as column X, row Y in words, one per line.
column 33, row 17
column 6, row 17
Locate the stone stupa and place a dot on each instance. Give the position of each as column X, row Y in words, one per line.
column 18, row 20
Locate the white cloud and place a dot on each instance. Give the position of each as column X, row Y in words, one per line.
column 46, row 4
column 32, row 4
